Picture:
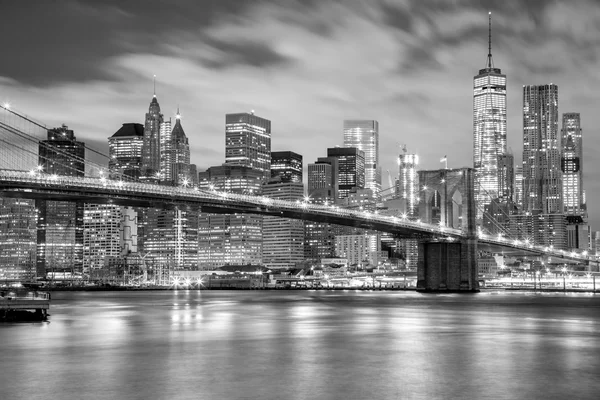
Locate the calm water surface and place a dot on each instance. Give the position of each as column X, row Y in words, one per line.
column 305, row 345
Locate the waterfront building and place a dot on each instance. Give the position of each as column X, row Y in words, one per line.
column 151, row 143
column 542, row 175
column 287, row 165
column 319, row 237
column 360, row 250
column 351, row 169
column 572, row 165
column 283, row 238
column 125, row 151
column 101, row 236
column 60, row 223
column 18, row 239
column 230, row 239
column 489, row 128
column 364, row 136
column 248, row 142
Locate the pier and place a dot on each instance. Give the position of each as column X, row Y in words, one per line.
column 20, row 305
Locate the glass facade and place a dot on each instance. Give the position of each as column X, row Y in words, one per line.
column 248, row 142
column 351, row 169
column 364, row 135
column 408, row 182
column 125, row 149
column 542, row 175
column 283, row 238
column 489, row 132
column 572, row 165
column 287, row 165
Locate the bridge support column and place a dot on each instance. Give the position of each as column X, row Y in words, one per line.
column 447, row 266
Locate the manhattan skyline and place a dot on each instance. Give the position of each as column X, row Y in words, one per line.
column 306, row 66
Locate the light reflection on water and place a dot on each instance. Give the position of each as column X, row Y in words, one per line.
column 306, row 344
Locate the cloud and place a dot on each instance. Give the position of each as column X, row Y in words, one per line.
column 309, row 65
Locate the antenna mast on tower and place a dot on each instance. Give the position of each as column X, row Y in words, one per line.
column 490, row 62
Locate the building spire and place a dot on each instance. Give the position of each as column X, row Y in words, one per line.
column 178, row 114
column 490, row 62
column 154, row 82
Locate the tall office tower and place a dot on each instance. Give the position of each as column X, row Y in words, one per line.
column 364, row 135
column 283, row 238
column 101, row 236
column 125, row 150
column 230, row 239
column 542, row 177
column 539, row 229
column 489, row 128
column 287, row 165
column 506, row 178
column 351, row 168
column 60, row 223
column 175, row 150
column 165, row 152
column 572, row 165
column 408, row 182
column 151, row 146
column 248, row 142
column 319, row 237
column 519, row 186
column 18, row 219
column 323, row 180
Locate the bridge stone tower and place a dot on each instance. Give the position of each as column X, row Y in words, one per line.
column 447, row 198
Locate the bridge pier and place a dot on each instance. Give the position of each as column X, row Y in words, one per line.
column 447, row 266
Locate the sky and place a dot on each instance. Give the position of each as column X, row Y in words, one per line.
column 306, row 65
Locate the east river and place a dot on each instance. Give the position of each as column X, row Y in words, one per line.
column 305, row 345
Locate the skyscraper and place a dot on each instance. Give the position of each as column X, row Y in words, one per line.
column 364, row 135
column 125, row 148
column 542, row 176
column 151, row 148
column 572, row 165
column 489, row 127
column 287, row 165
column 60, row 223
column 283, row 238
column 248, row 142
column 351, row 169
column 175, row 154
column 408, row 182
column 234, row 239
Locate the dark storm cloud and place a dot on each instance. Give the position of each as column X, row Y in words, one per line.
column 245, row 52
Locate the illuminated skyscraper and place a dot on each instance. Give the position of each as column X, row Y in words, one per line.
column 283, row 238
column 248, row 142
column 125, row 148
column 18, row 219
column 175, row 154
column 60, row 223
column 351, row 169
column 151, row 148
column 489, row 127
column 322, row 186
column 230, row 239
column 572, row 165
column 364, row 135
column 542, row 176
column 408, row 182
column 287, row 165
column 519, row 186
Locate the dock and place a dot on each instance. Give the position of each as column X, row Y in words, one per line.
column 23, row 305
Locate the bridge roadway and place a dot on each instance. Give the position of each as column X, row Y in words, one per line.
column 33, row 185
